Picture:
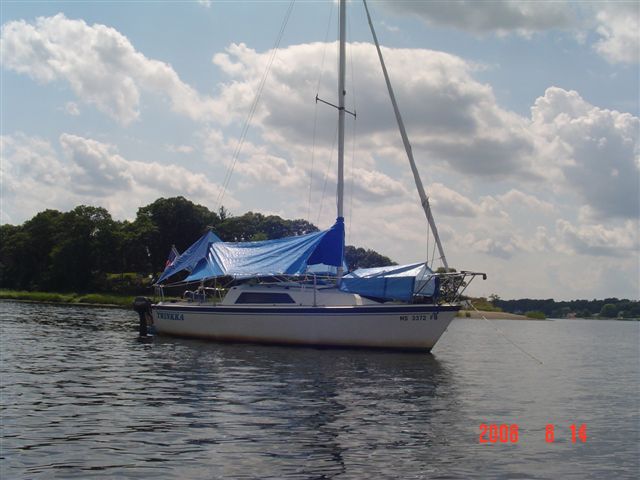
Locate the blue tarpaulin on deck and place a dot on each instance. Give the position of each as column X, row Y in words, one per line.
column 396, row 282
column 284, row 256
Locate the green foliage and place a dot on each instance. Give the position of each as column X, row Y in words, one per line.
column 361, row 258
column 446, row 270
column 536, row 315
column 256, row 226
column 579, row 308
column 52, row 297
column 609, row 310
column 170, row 221
column 85, row 250
column 126, row 283
column 481, row 303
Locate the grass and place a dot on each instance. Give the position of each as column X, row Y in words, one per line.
column 85, row 298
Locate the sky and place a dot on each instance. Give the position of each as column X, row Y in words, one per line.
column 523, row 119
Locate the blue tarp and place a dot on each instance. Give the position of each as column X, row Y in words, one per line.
column 396, row 282
column 191, row 257
column 284, row 256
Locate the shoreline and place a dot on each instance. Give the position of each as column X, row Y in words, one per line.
column 110, row 300
column 66, row 303
column 79, row 299
column 494, row 315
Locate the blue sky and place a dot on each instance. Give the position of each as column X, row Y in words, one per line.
column 523, row 117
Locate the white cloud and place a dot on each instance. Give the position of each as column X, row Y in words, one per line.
column 375, row 185
column 100, row 65
column 452, row 203
column 501, row 17
column 29, row 165
column 89, row 172
column 618, row 24
column 516, row 197
column 597, row 150
column 452, row 118
column 103, row 172
column 449, row 202
column 263, row 168
column 600, row 240
column 186, row 149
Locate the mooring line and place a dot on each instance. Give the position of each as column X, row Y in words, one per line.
column 506, row 336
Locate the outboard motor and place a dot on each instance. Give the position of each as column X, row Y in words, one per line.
column 142, row 305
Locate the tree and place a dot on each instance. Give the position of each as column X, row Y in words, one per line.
column 172, row 221
column 85, row 248
column 77, row 250
column 257, row 226
column 361, row 258
column 609, row 310
column 25, row 250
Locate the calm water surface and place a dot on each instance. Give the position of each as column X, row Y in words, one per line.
column 81, row 398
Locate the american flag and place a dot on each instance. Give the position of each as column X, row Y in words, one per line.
column 173, row 255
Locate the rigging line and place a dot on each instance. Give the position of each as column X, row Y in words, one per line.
column 315, row 113
column 351, row 180
column 326, row 175
column 313, row 156
column 353, row 134
column 506, row 337
column 254, row 105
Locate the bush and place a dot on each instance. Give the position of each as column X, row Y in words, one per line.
column 535, row 314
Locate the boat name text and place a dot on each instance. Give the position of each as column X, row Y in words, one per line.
column 171, row 316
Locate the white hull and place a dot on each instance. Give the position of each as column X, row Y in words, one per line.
column 380, row 326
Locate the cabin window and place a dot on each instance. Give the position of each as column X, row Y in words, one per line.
column 267, row 297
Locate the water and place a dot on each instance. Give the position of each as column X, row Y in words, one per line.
column 81, row 398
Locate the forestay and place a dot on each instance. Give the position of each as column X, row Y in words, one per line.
column 284, row 256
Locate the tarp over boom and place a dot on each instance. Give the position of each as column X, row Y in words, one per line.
column 395, row 282
column 284, row 256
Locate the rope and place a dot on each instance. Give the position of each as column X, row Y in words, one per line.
column 506, row 337
column 254, row 105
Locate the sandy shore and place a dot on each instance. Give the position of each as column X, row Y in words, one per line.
column 492, row 315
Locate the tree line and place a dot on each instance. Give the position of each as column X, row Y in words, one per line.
column 608, row 307
column 85, row 249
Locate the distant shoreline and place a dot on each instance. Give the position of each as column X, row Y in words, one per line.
column 493, row 315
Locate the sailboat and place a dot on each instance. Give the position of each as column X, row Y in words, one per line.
column 297, row 291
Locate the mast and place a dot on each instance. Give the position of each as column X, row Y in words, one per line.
column 341, row 95
column 424, row 200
